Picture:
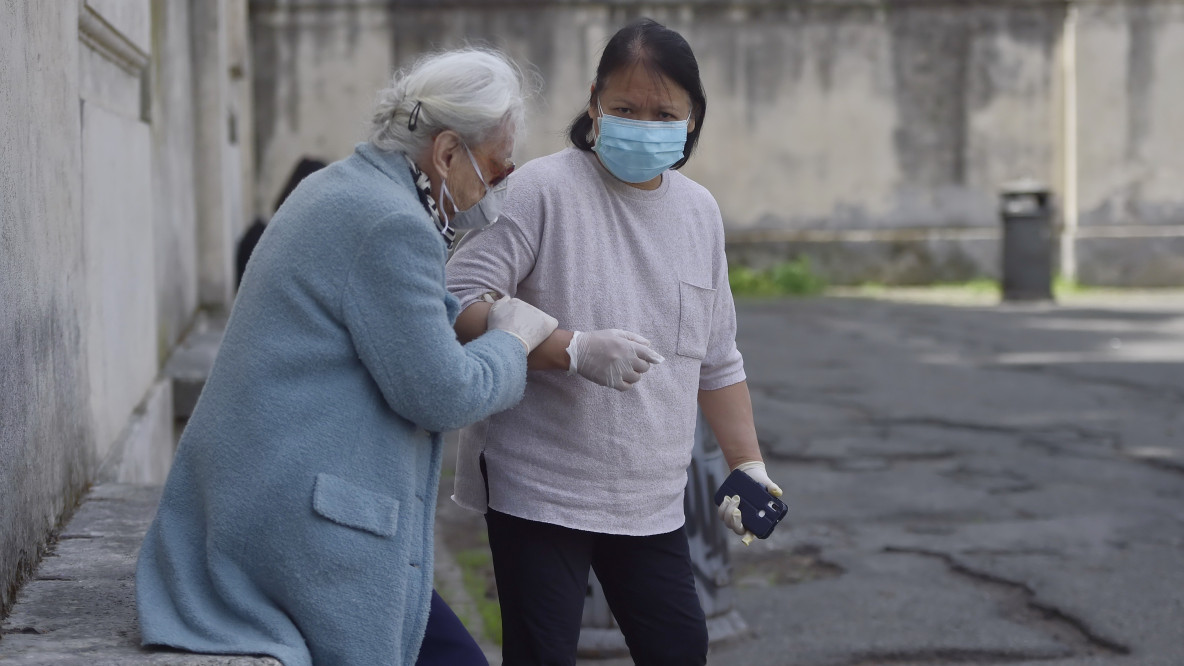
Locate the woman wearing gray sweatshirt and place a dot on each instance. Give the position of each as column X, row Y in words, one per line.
column 608, row 238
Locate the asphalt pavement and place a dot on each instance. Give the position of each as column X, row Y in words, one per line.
column 969, row 483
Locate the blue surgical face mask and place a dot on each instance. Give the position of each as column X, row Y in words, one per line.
column 637, row 151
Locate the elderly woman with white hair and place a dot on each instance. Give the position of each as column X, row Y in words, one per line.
column 296, row 521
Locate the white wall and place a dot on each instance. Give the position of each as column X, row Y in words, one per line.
column 315, row 75
column 827, row 119
column 1130, row 59
column 100, row 240
column 174, row 203
column 45, row 432
column 117, row 221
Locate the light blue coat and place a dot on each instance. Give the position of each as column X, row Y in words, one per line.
column 297, row 518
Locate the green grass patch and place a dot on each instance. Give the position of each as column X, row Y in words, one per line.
column 792, row 278
column 975, row 289
column 476, row 565
column 976, row 286
column 1063, row 286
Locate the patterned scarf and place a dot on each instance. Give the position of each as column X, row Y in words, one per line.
column 424, row 187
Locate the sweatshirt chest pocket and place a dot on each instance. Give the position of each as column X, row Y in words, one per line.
column 353, row 506
column 695, row 306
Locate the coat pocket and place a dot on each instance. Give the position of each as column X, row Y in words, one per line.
column 695, row 306
column 351, row 505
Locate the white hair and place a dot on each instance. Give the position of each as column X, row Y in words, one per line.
column 478, row 93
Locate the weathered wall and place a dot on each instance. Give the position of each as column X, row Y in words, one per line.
column 832, row 124
column 315, row 75
column 173, row 165
column 220, row 132
column 117, row 224
column 45, row 434
column 1130, row 63
column 241, row 93
column 99, row 242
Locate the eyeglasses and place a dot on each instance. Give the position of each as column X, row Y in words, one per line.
column 496, row 180
column 504, row 174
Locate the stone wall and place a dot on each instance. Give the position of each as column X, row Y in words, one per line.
column 1131, row 143
column 316, row 70
column 870, row 135
column 46, row 440
column 100, row 166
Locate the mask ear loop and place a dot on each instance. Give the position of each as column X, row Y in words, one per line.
column 480, row 176
column 596, row 121
column 445, row 191
column 444, row 194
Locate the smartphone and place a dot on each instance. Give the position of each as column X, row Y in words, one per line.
column 759, row 511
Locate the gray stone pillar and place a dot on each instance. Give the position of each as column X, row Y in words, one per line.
column 216, row 161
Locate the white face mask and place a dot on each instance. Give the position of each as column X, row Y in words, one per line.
column 481, row 214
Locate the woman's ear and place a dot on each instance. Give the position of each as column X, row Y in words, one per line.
column 592, row 112
column 444, row 151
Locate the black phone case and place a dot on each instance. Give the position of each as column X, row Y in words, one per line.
column 759, row 511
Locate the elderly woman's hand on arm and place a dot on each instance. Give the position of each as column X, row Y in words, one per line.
column 522, row 320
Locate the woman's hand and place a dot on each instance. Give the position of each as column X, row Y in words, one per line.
column 522, row 320
column 611, row 357
column 729, row 509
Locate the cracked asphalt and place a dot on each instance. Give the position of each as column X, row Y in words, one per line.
column 968, row 484
column 994, row 484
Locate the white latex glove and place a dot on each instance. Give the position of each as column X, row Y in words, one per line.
column 611, row 357
column 729, row 509
column 521, row 320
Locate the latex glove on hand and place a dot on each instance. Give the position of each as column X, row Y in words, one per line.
column 729, row 509
column 521, row 320
column 611, row 357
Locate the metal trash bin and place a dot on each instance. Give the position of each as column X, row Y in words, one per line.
column 709, row 539
column 1026, row 210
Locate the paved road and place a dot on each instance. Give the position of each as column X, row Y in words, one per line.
column 968, row 485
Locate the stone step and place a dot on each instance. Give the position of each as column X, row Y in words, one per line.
column 190, row 362
column 80, row 607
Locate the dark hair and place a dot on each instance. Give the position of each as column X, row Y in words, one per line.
column 661, row 50
column 250, row 238
column 306, row 167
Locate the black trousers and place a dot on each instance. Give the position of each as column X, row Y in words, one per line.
column 446, row 642
column 542, row 580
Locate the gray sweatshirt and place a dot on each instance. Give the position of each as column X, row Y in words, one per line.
column 596, row 253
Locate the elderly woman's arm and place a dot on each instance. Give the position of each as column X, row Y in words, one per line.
column 394, row 307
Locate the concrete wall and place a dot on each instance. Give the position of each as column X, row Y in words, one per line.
column 884, row 128
column 46, row 440
column 117, row 224
column 174, row 162
column 219, row 73
column 99, row 260
column 1131, row 160
column 315, row 75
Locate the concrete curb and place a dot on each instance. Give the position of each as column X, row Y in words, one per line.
column 80, row 606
